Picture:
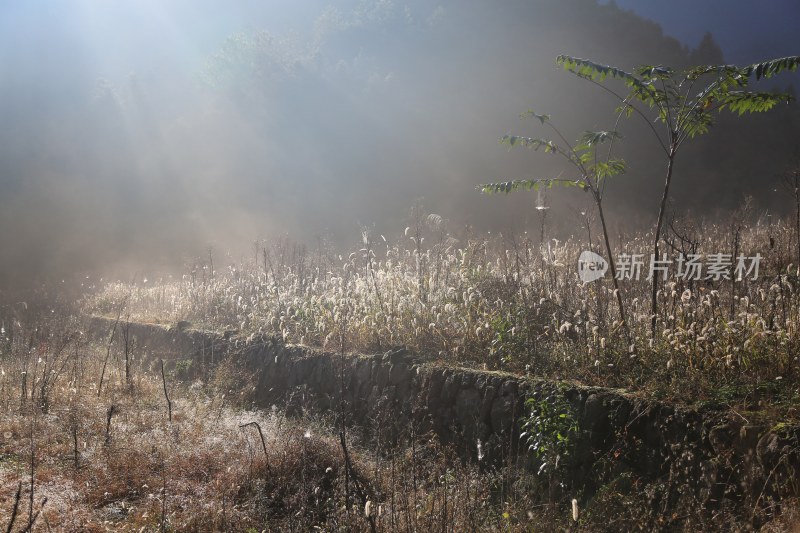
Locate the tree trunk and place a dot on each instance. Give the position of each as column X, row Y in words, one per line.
column 613, row 268
column 659, row 223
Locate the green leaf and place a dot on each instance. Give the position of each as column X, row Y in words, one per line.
column 728, row 74
column 609, row 168
column 742, row 102
column 508, row 186
column 592, row 138
column 697, row 122
column 529, row 142
column 658, row 72
column 531, row 113
column 583, row 68
column 592, row 70
column 767, row 69
column 526, row 185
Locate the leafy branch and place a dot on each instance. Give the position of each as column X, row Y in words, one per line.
column 591, row 167
column 656, row 93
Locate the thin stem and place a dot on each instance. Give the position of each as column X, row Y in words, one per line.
column 263, row 440
column 166, row 394
column 618, row 293
column 666, row 105
column 571, row 156
column 15, row 508
column 638, row 112
column 659, row 223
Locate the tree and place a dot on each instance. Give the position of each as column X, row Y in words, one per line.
column 791, row 181
column 592, row 170
column 684, row 103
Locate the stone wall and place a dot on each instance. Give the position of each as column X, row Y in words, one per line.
column 712, row 456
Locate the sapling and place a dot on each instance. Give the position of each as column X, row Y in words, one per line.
column 592, row 169
column 791, row 181
column 684, row 103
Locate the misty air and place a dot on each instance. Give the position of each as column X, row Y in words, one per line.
column 399, row 266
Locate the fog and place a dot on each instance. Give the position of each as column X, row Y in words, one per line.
column 137, row 134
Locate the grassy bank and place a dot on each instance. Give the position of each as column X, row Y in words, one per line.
column 147, row 452
column 516, row 303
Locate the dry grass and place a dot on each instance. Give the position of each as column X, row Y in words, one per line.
column 206, row 470
column 202, row 471
column 517, row 304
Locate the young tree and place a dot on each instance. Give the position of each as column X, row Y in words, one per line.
column 791, row 181
column 592, row 169
column 684, row 103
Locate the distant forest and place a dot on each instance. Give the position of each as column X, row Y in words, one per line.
column 131, row 146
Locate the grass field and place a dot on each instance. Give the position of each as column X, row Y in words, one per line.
column 96, row 438
column 124, row 459
column 515, row 303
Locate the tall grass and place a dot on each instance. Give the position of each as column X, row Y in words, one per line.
column 512, row 302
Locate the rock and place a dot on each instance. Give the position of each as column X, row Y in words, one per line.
column 486, row 404
column 396, row 355
column 501, row 417
column 467, row 380
column 596, row 416
column 450, row 387
column 769, row 450
column 468, row 403
column 721, row 437
column 748, row 438
column 398, row 374
column 435, row 383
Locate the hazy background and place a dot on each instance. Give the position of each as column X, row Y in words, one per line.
column 135, row 134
